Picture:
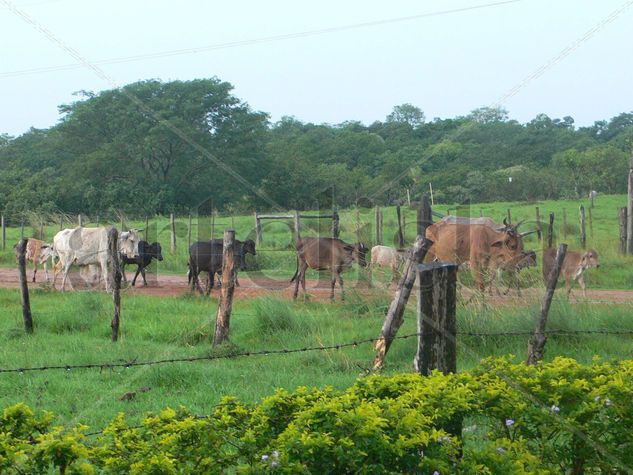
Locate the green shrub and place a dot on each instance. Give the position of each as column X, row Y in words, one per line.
column 559, row 417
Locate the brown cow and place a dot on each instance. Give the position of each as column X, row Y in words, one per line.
column 474, row 243
column 38, row 252
column 326, row 254
column 501, row 263
column 574, row 266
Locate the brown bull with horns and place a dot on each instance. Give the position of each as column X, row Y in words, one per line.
column 478, row 244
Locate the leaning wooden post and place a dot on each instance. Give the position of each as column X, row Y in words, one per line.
column 4, row 232
column 536, row 345
column 258, row 230
column 629, row 211
column 564, row 223
column 583, row 230
column 623, row 230
column 400, row 234
column 335, row 225
column 437, row 325
column 115, row 280
column 223, row 317
column 550, row 231
column 297, row 225
column 172, row 222
column 395, row 314
column 539, row 230
column 20, row 250
column 189, row 233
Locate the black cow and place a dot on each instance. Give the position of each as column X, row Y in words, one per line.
column 146, row 252
column 206, row 256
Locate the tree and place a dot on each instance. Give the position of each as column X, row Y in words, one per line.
column 407, row 114
column 488, row 115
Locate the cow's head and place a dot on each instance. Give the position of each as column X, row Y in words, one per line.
column 249, row 247
column 359, row 253
column 240, row 255
column 128, row 243
column 527, row 259
column 46, row 253
column 509, row 238
column 156, row 251
column 590, row 259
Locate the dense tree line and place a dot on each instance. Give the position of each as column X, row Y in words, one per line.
column 157, row 146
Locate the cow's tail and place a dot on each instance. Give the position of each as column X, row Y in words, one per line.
column 294, row 277
column 189, row 273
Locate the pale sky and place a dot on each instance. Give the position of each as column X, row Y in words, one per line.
column 446, row 64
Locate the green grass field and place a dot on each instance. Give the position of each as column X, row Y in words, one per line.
column 277, row 258
column 74, row 328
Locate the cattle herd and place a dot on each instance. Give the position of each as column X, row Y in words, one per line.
column 487, row 249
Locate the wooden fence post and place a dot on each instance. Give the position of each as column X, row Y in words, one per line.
column 97, row 220
column 22, row 227
column 623, row 230
column 378, row 225
column 223, row 317
column 26, row 302
column 189, row 233
column 258, row 230
column 539, row 229
column 437, row 326
column 80, row 221
column 297, row 224
column 115, row 279
column 564, row 223
column 536, row 345
column 509, row 216
column 481, row 213
column 395, row 314
column 583, row 230
column 400, row 234
column 550, row 231
column 213, row 223
column 147, row 228
column 335, row 225
column 426, row 215
column 42, row 235
column 590, row 223
column 61, row 222
column 358, row 239
column 3, row 223
column 172, row 222
column 629, row 210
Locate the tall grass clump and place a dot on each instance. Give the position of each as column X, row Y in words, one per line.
column 273, row 316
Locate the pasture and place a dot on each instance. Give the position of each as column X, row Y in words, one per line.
column 74, row 328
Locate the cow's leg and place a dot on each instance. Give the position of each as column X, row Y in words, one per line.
column 123, row 276
column 340, row 281
column 333, row 279
column 34, row 269
column 211, row 283
column 138, row 271
column 66, row 270
column 581, row 281
column 46, row 270
column 370, row 268
column 143, row 275
column 301, row 279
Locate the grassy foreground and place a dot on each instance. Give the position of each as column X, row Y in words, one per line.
column 74, row 328
column 276, row 256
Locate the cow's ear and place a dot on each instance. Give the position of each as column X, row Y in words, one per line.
column 347, row 247
column 498, row 243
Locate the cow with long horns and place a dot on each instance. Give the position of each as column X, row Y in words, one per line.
column 478, row 245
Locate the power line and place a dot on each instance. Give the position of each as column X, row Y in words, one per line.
column 249, row 42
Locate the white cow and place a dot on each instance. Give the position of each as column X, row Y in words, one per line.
column 387, row 257
column 89, row 246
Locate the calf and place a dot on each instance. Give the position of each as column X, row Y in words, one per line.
column 326, row 254
column 574, row 267
column 38, row 252
column 387, row 257
column 500, row 264
column 146, row 252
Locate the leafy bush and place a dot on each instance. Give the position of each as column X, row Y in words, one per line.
column 559, row 417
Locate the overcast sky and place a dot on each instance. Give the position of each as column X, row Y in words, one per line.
column 446, row 64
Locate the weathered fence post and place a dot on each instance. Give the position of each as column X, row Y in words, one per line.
column 550, row 231
column 22, row 227
column 80, row 221
column 590, row 223
column 536, row 345
column 379, row 227
column 395, row 314
column 564, row 223
column 212, row 223
column 481, row 213
column 61, row 222
column 583, row 230
column 97, row 220
column 297, row 224
column 335, row 225
column 437, row 326
column 629, row 210
column 258, row 230
column 172, row 222
column 42, row 235
column 189, row 233
column 509, row 216
column 3, row 223
column 623, row 230
column 115, row 280
column 539, row 229
column 147, row 228
column 223, row 317
column 20, row 250
column 425, row 215
column 400, row 234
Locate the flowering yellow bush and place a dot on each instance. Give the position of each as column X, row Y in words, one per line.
column 559, row 417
